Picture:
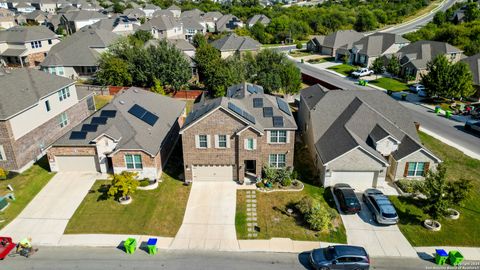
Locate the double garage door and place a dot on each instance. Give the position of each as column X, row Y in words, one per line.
column 77, row 163
column 212, row 173
column 357, row 180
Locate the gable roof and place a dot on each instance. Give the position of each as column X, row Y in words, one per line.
column 174, row 7
column 23, row 88
column 224, row 23
column 340, row 38
column 474, row 63
column 162, row 12
column 83, row 15
column 160, row 23
column 377, row 44
column 192, row 13
column 421, row 52
column 263, row 19
column 131, row 132
column 23, row 34
column 79, row 48
column 192, row 22
column 233, row 42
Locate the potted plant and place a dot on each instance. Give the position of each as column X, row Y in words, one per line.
column 3, row 174
column 123, row 185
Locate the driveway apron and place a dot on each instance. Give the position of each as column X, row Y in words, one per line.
column 209, row 221
column 46, row 216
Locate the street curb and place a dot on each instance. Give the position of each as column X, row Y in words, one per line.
column 450, row 143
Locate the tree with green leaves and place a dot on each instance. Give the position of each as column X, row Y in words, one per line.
column 207, row 59
column 472, row 12
column 378, row 66
column 118, row 8
column 447, row 79
column 123, row 185
column 113, row 71
column 393, row 66
column 157, row 87
column 199, row 40
column 141, row 36
column 365, row 21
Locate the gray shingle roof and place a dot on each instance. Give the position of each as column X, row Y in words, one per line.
column 340, row 38
column 421, row 52
column 132, row 132
column 227, row 23
column 173, row 7
column 474, row 64
column 22, row 88
column 84, row 15
column 377, row 44
column 162, row 12
column 232, row 42
column 192, row 13
column 192, row 22
column 263, row 19
column 134, row 12
column 160, row 23
column 79, row 48
column 23, row 34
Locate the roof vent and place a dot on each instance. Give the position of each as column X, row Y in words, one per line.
column 122, row 102
column 135, row 90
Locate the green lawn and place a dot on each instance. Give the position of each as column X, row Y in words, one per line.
column 390, row 84
column 25, row 185
column 153, row 212
column 271, row 208
column 462, row 232
column 343, row 69
column 101, row 101
column 300, row 53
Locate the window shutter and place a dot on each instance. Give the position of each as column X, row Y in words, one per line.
column 216, row 140
column 425, row 168
column 209, row 144
column 228, row 141
column 405, row 173
column 288, row 136
column 268, row 136
column 245, row 144
column 254, row 144
column 197, row 141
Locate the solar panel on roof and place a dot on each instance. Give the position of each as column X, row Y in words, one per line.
column 108, row 113
column 150, row 118
column 258, row 102
column 89, row 127
column 283, row 106
column 78, row 135
column 249, row 117
column 234, row 108
column 251, row 89
column 277, row 121
column 267, row 112
column 241, row 112
column 99, row 120
column 137, row 111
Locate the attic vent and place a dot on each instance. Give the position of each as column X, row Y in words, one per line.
column 122, row 102
column 135, row 90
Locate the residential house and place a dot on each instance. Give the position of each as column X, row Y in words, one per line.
column 361, row 138
column 192, row 26
column 163, row 27
column 24, row 7
column 48, row 6
column 74, row 20
column 234, row 137
column 415, row 56
column 370, row 47
column 232, row 44
column 121, row 25
column 149, row 9
column 3, row 4
column 228, row 23
column 36, row 17
column 66, row 9
column 162, row 12
column 77, row 56
column 258, row 18
column 210, row 19
column 26, row 45
column 20, row 19
column 474, row 63
column 336, row 44
column 176, row 11
column 134, row 13
column 192, row 13
column 135, row 132
column 36, row 108
column 7, row 18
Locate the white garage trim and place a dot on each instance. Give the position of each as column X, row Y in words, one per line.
column 359, row 180
column 202, row 173
column 77, row 163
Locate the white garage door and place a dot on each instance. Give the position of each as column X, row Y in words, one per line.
column 357, row 180
column 77, row 163
column 327, row 51
column 212, row 173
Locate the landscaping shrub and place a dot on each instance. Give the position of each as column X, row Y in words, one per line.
column 286, row 182
column 123, row 185
column 409, row 186
column 307, row 205
column 260, row 185
column 269, row 173
column 319, row 219
column 3, row 174
column 145, row 182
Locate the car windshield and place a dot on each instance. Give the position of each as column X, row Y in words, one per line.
column 351, row 201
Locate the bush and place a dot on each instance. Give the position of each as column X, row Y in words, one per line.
column 269, row 173
column 409, row 186
column 299, row 45
column 3, row 174
column 145, row 182
column 306, row 205
column 319, row 219
column 286, row 182
column 260, row 185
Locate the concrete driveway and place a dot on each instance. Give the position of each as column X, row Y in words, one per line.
column 378, row 240
column 46, row 216
column 209, row 221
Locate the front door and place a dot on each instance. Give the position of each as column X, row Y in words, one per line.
column 251, row 166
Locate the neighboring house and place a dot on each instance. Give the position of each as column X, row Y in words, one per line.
column 20, row 19
column 361, row 138
column 67, row 9
column 192, row 13
column 162, row 12
column 234, row 137
column 26, row 46
column 458, row 16
column 369, row 48
column 136, row 132
column 176, row 11
column 74, row 20
column 192, row 26
column 37, row 16
column 77, row 56
column 228, row 23
column 210, row 19
column 48, row 6
column 3, row 4
column 415, row 56
column 149, row 9
column 36, row 108
column 24, row 8
column 163, row 27
column 474, row 63
column 258, row 18
column 330, row 44
column 135, row 13
column 7, row 18
column 121, row 25
column 232, row 44
column 53, row 22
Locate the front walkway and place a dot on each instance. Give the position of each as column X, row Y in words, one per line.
column 209, row 221
column 46, row 216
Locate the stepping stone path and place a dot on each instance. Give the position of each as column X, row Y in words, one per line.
column 251, row 213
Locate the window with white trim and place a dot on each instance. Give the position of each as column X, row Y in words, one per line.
column 277, row 160
column 64, row 93
column 63, row 120
column 133, row 162
column 416, row 169
column 202, row 141
column 278, row 136
column 222, row 141
column 249, row 144
column 36, row 44
column 3, row 157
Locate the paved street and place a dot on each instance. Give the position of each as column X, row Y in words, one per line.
column 46, row 216
column 110, row 258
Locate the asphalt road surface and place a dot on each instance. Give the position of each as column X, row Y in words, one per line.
column 110, row 258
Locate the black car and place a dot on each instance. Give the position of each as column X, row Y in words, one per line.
column 340, row 257
column 473, row 126
column 347, row 199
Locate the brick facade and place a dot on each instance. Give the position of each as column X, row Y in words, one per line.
column 222, row 123
column 33, row 59
column 32, row 145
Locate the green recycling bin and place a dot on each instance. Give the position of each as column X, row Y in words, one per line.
column 130, row 245
column 441, row 256
column 455, row 257
column 437, row 109
column 448, row 113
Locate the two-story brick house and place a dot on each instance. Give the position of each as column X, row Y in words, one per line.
column 36, row 108
column 234, row 137
column 26, row 46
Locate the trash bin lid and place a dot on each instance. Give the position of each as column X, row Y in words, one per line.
column 152, row 241
column 441, row 252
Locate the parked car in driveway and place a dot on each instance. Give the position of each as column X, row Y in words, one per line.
column 347, row 199
column 382, row 209
column 362, row 72
column 473, row 126
column 417, row 87
column 340, row 257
